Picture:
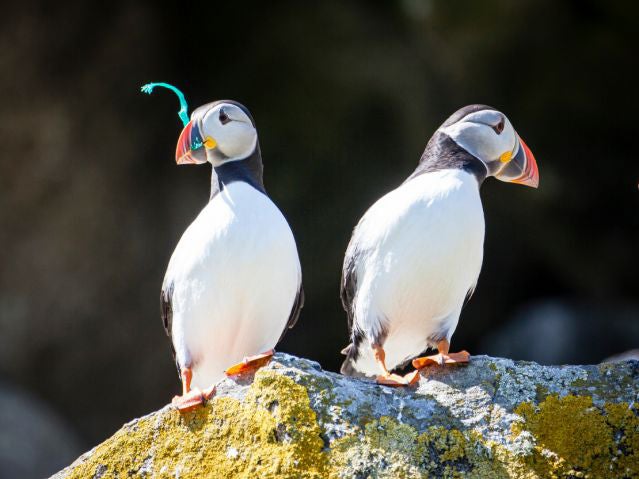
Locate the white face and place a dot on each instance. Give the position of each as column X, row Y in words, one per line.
column 228, row 134
column 487, row 135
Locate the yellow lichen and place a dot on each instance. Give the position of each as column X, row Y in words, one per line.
column 272, row 433
column 384, row 449
column 576, row 439
column 456, row 454
column 625, row 425
column 388, row 449
column 573, row 439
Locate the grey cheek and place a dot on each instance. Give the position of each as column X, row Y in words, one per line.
column 217, row 155
column 493, row 167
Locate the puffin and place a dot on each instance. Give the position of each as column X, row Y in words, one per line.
column 233, row 285
column 415, row 256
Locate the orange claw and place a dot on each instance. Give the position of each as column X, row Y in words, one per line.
column 250, row 363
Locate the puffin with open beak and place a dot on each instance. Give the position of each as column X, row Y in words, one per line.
column 234, row 283
column 415, row 256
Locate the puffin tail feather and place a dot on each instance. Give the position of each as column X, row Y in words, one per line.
column 348, row 366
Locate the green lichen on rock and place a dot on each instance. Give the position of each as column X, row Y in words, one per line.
column 574, row 438
column 387, row 449
column 272, row 433
column 493, row 419
column 383, row 449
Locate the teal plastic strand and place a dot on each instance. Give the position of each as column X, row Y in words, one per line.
column 183, row 112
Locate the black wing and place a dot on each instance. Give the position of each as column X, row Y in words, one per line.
column 348, row 285
column 469, row 294
column 298, row 304
column 166, row 311
column 348, row 289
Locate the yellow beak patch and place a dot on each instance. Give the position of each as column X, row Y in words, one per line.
column 210, row 143
column 506, row 157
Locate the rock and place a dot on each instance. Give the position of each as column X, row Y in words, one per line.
column 625, row 356
column 494, row 418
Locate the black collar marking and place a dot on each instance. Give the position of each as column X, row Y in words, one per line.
column 442, row 153
column 249, row 170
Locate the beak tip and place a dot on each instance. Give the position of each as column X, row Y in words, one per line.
column 184, row 154
column 531, row 173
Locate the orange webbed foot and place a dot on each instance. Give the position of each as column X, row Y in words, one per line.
column 250, row 364
column 441, row 359
column 191, row 398
column 396, row 380
column 189, row 401
column 390, row 379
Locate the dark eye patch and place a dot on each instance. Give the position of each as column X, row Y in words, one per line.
column 224, row 118
column 499, row 127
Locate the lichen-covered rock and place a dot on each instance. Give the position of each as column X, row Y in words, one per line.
column 494, row 418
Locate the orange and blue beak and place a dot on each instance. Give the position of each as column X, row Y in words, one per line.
column 521, row 168
column 190, row 148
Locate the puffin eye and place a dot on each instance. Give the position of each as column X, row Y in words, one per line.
column 224, row 118
column 499, row 127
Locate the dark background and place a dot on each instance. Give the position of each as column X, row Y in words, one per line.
column 345, row 96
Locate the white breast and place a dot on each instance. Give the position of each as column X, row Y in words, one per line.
column 420, row 251
column 235, row 274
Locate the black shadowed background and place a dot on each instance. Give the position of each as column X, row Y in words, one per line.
column 345, row 96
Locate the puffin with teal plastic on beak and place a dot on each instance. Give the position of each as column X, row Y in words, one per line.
column 234, row 283
column 415, row 256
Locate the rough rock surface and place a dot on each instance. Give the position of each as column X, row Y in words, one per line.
column 494, row 418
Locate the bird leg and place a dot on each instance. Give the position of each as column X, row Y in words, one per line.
column 191, row 398
column 250, row 363
column 443, row 357
column 387, row 378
